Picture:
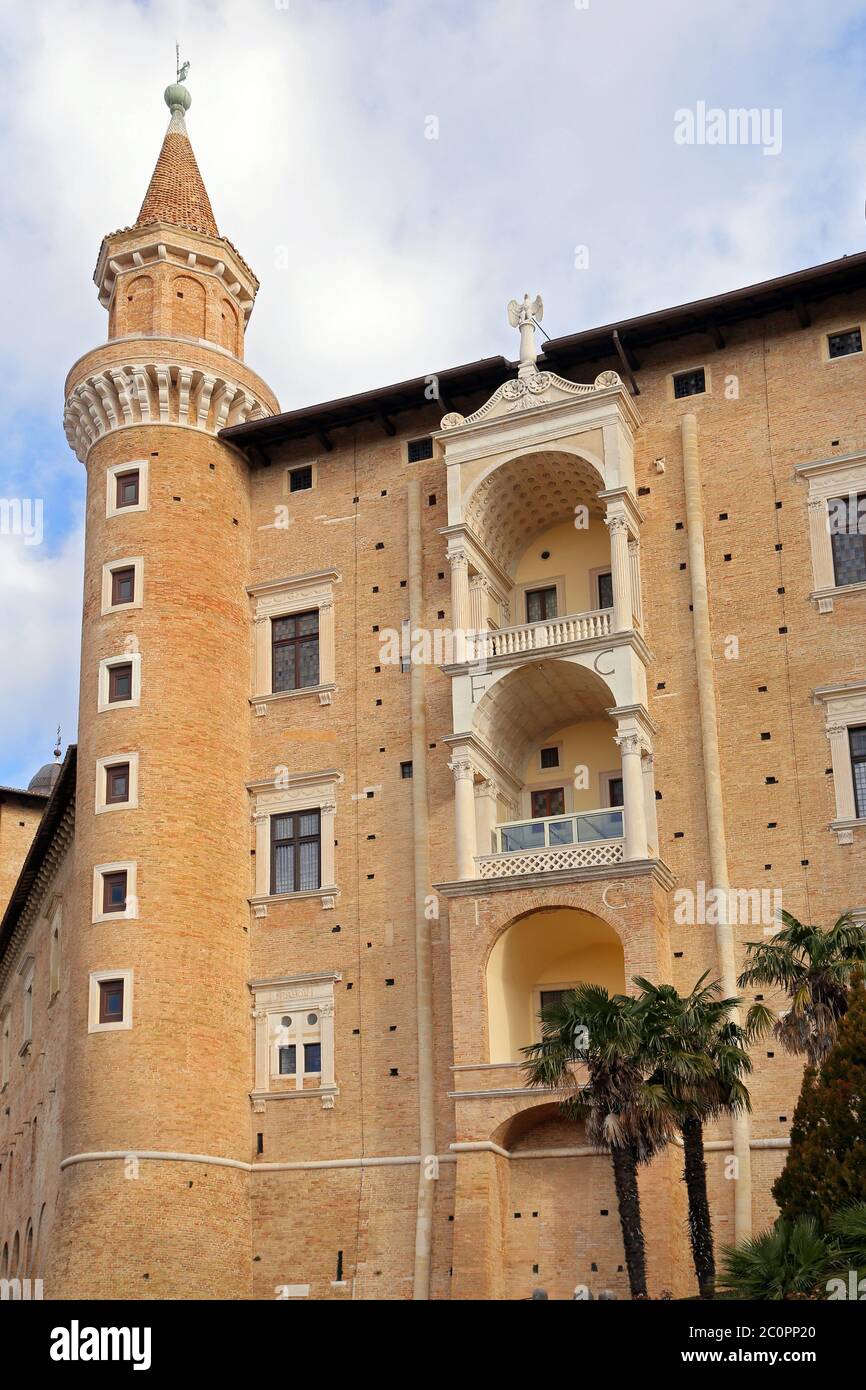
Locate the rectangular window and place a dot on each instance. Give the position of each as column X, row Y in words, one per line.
column 550, row 802
column 689, row 383
column 295, row 651
column 420, row 449
column 123, row 585
column 120, row 682
column 844, row 344
column 614, row 791
column 857, row 741
column 127, row 489
column 847, row 519
column 605, row 590
column 28, row 1009
column 405, row 770
column 540, row 604
column 114, row 891
column 288, row 1054
column 296, row 852
column 312, row 1058
column 550, row 757
column 551, row 996
column 117, row 784
column 111, row 1001
column 300, row 479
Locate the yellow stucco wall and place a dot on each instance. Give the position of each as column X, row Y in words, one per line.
column 588, row 746
column 574, row 554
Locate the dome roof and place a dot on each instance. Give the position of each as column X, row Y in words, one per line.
column 45, row 778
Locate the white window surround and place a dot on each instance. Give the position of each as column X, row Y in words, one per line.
column 274, row 998
column 842, row 326
column 827, row 478
column 280, row 598
column 141, row 466
column 97, row 977
column 55, row 946
column 102, row 766
column 605, row 779
column 125, row 659
column 134, row 562
column 304, row 791
column 291, row 468
column 27, row 970
column 519, row 592
column 549, row 771
column 131, row 911
column 5, row 1045
column 844, row 708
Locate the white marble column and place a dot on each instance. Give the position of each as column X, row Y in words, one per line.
column 486, row 797
column 620, row 570
column 459, row 589
column 634, row 807
column 464, row 814
column 477, row 592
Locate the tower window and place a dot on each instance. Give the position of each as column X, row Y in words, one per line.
column 120, row 682
column 111, row 1001
column 301, row 479
column 295, row 651
column 845, row 344
column 117, row 783
column 691, row 383
column 419, row 449
column 127, row 489
column 123, row 585
column 114, row 891
column 296, row 852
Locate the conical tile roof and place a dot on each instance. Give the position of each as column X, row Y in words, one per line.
column 176, row 192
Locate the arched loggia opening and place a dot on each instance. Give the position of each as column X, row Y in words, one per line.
column 534, row 960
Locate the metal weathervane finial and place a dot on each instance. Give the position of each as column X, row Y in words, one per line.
column 181, row 68
column 58, row 747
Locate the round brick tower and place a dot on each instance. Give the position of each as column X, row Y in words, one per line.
column 159, row 1049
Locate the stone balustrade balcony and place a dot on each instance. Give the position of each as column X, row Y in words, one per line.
column 546, row 635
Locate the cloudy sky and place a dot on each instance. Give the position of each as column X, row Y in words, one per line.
column 395, row 171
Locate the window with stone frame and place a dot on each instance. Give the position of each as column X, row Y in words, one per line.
column 847, row 518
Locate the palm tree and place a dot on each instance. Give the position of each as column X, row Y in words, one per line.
column 624, row 1114
column 699, row 1057
column 815, row 969
column 790, row 1260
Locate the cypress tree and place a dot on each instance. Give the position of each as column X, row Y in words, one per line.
column 826, row 1167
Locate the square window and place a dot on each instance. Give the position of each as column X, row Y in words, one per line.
column 120, row 682
column 111, row 1001
column 123, row 585
column 301, row 479
column 117, row 783
column 419, row 449
column 540, row 604
column 550, row 802
column 550, row 757
column 692, row 383
column 128, row 486
column 844, row 344
column 114, row 891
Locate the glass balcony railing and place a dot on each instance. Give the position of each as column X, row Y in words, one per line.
column 549, row 831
